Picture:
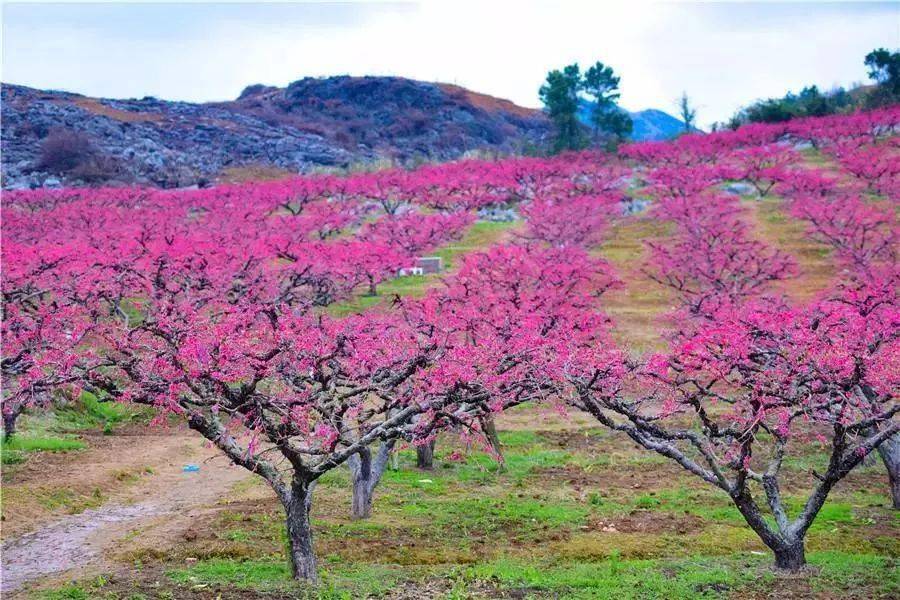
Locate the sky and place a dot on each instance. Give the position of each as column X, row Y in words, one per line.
column 724, row 55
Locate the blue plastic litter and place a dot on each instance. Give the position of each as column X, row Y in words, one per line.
column 190, row 468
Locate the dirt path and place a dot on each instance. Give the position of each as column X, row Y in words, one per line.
column 152, row 503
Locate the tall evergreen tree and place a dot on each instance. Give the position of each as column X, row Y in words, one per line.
column 560, row 97
column 601, row 86
column 564, row 90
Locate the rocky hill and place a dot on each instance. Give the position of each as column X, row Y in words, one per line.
column 54, row 138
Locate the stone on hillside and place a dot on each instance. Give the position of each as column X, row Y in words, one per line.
column 740, row 188
column 497, row 214
column 634, row 206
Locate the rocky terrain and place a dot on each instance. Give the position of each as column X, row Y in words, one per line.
column 52, row 138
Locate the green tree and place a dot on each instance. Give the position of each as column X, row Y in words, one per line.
column 601, row 86
column 687, row 112
column 812, row 103
column 615, row 123
column 884, row 68
column 560, row 97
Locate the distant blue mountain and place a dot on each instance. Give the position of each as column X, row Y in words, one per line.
column 650, row 124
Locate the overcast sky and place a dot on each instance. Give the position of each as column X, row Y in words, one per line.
column 724, row 55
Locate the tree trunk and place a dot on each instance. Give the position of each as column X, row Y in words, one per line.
column 790, row 556
column 9, row 424
column 366, row 473
column 297, row 504
column 425, row 455
column 361, row 474
column 788, row 547
column 490, row 431
column 395, row 461
column 890, row 454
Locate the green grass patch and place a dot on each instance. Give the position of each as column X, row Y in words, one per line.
column 613, row 578
column 481, row 235
column 338, row 580
column 432, row 483
column 54, row 430
column 70, row 501
column 14, row 450
column 851, row 571
column 85, row 590
column 833, row 574
column 90, row 413
column 251, row 574
column 524, row 517
column 695, row 577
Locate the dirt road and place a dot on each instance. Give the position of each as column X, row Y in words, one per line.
column 145, row 494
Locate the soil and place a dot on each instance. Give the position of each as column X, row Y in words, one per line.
column 150, row 506
column 647, row 521
column 623, row 479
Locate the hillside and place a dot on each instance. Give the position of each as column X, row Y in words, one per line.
column 653, row 124
column 649, row 124
column 265, row 132
column 330, row 122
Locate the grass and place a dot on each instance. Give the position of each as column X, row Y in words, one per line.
column 257, row 575
column 337, row 581
column 90, row 413
column 612, row 578
column 521, row 517
column 71, row 502
column 574, row 512
column 861, row 576
column 96, row 107
column 249, row 173
column 57, row 430
column 774, row 226
column 559, row 521
column 638, row 305
column 481, row 235
column 696, row 577
column 14, row 450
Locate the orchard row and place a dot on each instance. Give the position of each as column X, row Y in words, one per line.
column 208, row 304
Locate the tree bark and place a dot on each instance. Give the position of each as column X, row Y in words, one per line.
column 425, row 456
column 361, row 474
column 297, row 503
column 490, row 431
column 890, row 454
column 787, row 546
column 9, row 424
column 790, row 556
column 366, row 472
